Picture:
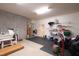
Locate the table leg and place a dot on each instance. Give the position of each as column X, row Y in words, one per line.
column 2, row 44
column 11, row 42
column 15, row 42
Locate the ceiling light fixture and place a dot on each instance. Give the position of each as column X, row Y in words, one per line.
column 42, row 10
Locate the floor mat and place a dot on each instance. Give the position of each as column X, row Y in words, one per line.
column 46, row 44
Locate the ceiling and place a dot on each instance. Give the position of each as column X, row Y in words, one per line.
column 26, row 9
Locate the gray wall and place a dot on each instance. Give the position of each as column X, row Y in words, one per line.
column 9, row 20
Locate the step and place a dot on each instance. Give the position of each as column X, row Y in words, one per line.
column 10, row 49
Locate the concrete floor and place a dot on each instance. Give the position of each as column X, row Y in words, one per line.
column 30, row 49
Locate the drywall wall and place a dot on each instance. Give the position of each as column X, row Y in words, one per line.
column 69, row 19
column 9, row 20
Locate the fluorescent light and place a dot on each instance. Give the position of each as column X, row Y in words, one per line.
column 42, row 10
